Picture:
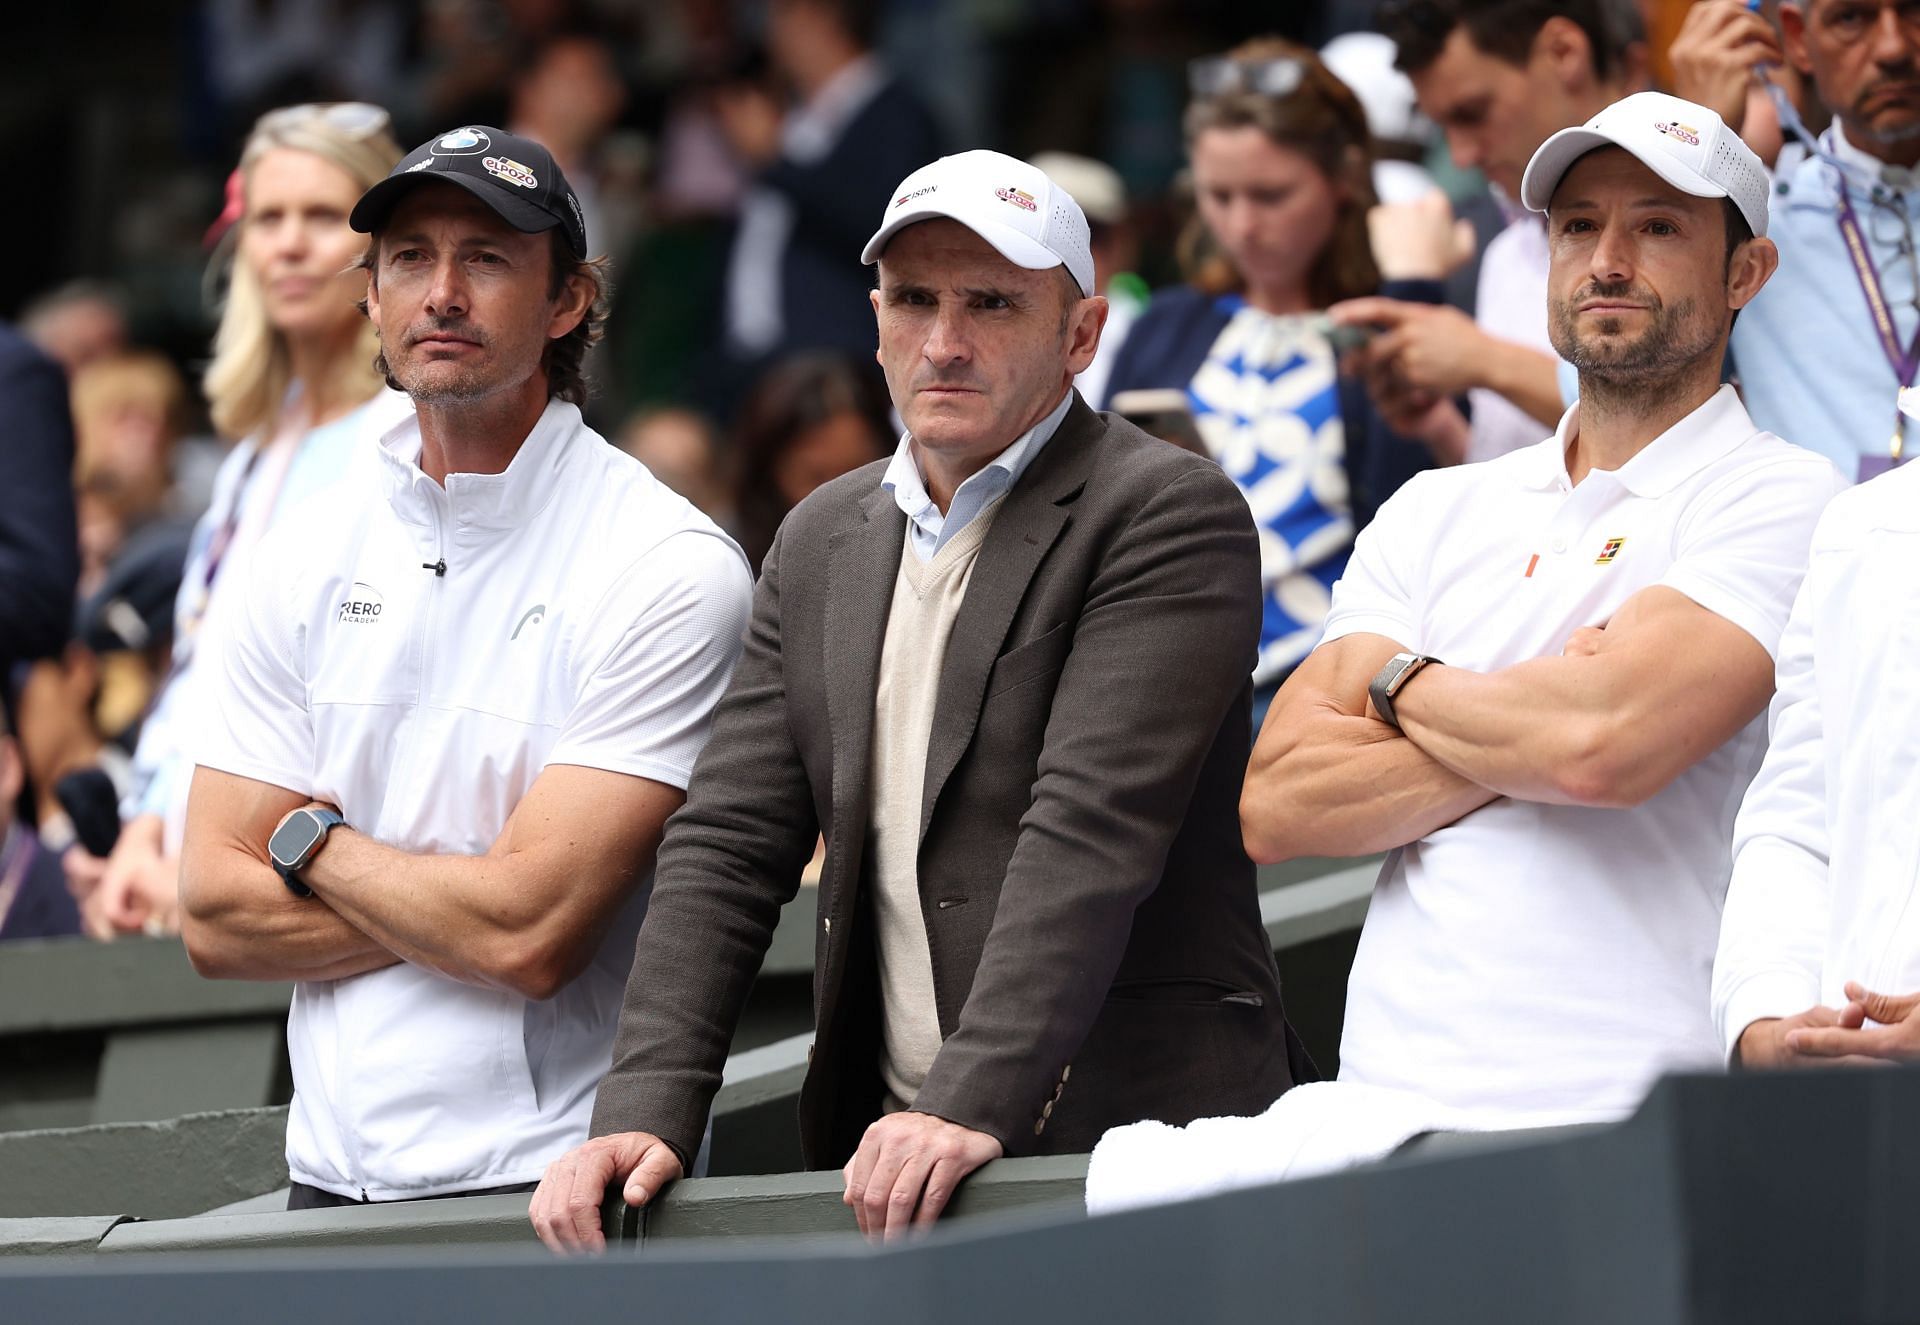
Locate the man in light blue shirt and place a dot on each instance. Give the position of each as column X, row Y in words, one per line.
column 1815, row 363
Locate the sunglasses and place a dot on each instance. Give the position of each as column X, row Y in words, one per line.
column 355, row 119
column 1217, row 75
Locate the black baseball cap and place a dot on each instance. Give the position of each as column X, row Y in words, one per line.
column 515, row 176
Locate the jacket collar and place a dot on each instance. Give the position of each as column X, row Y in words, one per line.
column 481, row 501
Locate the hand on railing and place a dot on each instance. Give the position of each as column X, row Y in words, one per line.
column 573, row 1199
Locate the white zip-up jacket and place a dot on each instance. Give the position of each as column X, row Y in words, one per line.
column 1826, row 867
column 585, row 614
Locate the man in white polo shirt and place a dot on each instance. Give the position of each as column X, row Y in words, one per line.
column 458, row 708
column 1819, row 959
column 1543, row 676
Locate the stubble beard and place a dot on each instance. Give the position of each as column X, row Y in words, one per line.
column 1639, row 372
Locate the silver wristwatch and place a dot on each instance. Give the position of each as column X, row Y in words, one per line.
column 1391, row 679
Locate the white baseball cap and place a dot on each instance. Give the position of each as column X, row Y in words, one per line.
column 1685, row 144
column 1030, row 220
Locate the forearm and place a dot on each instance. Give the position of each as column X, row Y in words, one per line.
column 1543, row 730
column 1527, row 377
column 240, row 922
column 462, row 916
column 1340, row 785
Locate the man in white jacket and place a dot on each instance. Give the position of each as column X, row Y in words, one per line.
column 1819, row 953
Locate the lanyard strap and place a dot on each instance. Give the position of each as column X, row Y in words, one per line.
column 16, row 854
column 1904, row 362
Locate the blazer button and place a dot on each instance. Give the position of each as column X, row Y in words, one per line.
column 1066, row 1072
column 1046, row 1110
column 826, row 923
column 1040, row 1127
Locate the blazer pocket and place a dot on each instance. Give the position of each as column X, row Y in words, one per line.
column 1038, row 657
column 1199, row 992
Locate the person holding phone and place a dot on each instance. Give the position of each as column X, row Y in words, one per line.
column 1280, row 161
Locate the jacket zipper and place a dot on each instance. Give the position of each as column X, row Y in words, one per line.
column 349, row 1130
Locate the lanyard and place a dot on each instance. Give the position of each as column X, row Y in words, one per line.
column 16, row 854
column 1904, row 362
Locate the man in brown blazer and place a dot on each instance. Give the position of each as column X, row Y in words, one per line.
column 1007, row 674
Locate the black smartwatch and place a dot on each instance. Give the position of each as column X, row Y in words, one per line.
column 296, row 840
column 1391, row 679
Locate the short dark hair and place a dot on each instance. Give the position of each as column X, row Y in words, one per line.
column 1504, row 29
column 566, row 355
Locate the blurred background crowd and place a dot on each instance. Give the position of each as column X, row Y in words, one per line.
column 731, row 157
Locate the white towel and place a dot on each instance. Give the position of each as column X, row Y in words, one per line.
column 1310, row 1130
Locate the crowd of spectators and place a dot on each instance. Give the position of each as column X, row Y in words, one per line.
column 1317, row 268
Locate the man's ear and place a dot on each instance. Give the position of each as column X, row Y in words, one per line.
column 1750, row 267
column 576, row 301
column 1562, row 46
column 1793, row 37
column 1083, row 332
column 373, row 293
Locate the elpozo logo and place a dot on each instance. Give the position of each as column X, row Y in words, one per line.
column 1019, row 198
column 505, row 167
column 1686, row 133
column 362, row 607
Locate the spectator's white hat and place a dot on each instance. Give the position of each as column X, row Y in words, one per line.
column 1032, row 221
column 1095, row 185
column 1685, row 144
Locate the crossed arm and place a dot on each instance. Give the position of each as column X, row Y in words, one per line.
column 525, row 916
column 1622, row 712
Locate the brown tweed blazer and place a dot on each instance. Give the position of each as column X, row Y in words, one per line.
column 1098, row 956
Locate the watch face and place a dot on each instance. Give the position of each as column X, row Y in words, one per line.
column 293, row 839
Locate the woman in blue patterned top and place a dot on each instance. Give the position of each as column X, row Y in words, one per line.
column 1280, row 163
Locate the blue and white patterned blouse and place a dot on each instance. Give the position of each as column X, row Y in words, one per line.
column 1267, row 403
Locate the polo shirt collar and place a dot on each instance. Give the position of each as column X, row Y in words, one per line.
column 1714, row 428
column 481, row 501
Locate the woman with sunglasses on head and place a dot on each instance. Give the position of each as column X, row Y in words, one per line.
column 293, row 383
column 1279, row 158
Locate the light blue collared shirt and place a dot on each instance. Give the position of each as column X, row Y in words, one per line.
column 1810, row 364
column 928, row 529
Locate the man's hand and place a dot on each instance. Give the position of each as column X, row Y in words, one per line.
column 1714, row 53
column 1774, row 1043
column 565, row 1209
column 1895, row 1036
column 1431, row 348
column 84, row 871
column 139, row 891
column 1419, row 240
column 907, row 1168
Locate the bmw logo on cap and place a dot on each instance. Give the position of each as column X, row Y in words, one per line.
column 463, row 142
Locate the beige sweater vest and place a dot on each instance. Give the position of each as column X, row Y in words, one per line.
column 926, row 598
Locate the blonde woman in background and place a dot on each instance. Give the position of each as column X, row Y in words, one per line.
column 292, row 382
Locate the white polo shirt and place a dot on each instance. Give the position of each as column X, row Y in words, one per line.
column 1826, row 867
column 587, row 615
column 1542, row 964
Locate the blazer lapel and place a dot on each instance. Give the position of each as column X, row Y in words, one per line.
column 1030, row 518
column 863, row 562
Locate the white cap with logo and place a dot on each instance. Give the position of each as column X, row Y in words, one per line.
column 1685, row 144
column 1030, row 220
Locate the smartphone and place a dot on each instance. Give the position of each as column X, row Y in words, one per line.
column 1165, row 413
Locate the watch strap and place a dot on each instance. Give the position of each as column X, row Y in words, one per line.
column 1391, row 679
